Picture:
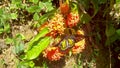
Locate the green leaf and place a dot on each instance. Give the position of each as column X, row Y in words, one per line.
column 85, row 18
column 41, row 5
column 84, row 3
column 21, row 36
column 7, row 27
column 110, row 30
column 14, row 15
column 16, row 4
column 118, row 31
column 1, row 30
column 44, row 17
column 25, row 64
column 47, row 0
column 117, row 49
column 18, row 48
column 118, row 1
column 16, row 1
column 96, row 7
column 1, row 11
column 102, row 1
column 47, row 6
column 8, row 40
column 37, row 49
column 36, row 16
column 34, row 1
column 17, row 40
column 111, row 39
column 33, row 9
column 37, row 37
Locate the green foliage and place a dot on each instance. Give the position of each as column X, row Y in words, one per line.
column 36, row 16
column 16, row 4
column 37, row 45
column 34, row 1
column 79, row 62
column 110, row 30
column 45, row 65
column 37, row 49
column 44, row 17
column 26, row 64
column 13, row 12
column 4, row 17
column 118, row 31
column 96, row 6
column 85, row 18
column 102, row 1
column 33, row 9
column 41, row 34
column 7, row 27
column 85, row 3
column 47, row 6
column 117, row 1
column 112, row 34
column 17, row 42
column 14, row 15
column 16, row 1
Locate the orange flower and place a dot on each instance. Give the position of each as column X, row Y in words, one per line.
column 72, row 19
column 64, row 8
column 56, row 24
column 79, row 46
column 52, row 53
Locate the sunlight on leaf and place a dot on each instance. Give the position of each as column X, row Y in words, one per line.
column 1, row 30
column 8, row 40
column 14, row 15
column 37, row 49
column 33, row 9
column 34, row 1
column 47, row 6
column 37, row 37
column 36, row 16
column 7, row 27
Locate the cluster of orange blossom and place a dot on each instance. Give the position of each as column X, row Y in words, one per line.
column 57, row 25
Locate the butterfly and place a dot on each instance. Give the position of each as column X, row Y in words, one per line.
column 68, row 40
column 67, row 43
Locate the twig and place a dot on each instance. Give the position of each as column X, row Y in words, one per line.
column 24, row 1
column 110, row 56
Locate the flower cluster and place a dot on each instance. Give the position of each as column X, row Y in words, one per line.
column 64, row 8
column 56, row 24
column 78, row 47
column 52, row 53
column 60, row 26
column 72, row 19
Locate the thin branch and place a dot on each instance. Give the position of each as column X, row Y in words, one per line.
column 110, row 56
